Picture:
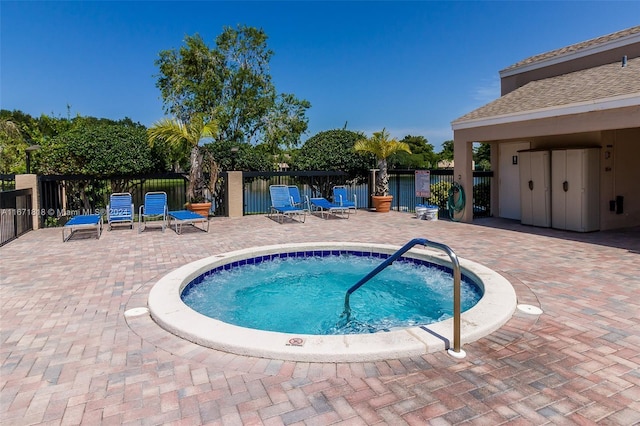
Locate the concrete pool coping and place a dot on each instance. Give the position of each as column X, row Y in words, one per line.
column 494, row 309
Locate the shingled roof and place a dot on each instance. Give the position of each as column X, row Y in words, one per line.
column 576, row 47
column 590, row 85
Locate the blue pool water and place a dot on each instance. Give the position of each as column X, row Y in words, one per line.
column 306, row 295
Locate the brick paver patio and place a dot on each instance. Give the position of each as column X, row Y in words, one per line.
column 69, row 356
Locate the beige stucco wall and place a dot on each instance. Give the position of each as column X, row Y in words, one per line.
column 463, row 174
column 27, row 181
column 614, row 129
column 619, row 170
column 619, row 162
column 620, row 176
column 235, row 194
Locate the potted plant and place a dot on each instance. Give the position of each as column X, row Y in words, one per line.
column 381, row 146
column 185, row 138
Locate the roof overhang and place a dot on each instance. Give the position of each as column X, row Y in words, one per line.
column 612, row 103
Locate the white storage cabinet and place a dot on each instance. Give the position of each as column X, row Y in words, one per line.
column 575, row 189
column 535, row 188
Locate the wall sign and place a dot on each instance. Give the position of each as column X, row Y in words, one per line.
column 423, row 183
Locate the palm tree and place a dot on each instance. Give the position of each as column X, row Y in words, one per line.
column 185, row 138
column 381, row 146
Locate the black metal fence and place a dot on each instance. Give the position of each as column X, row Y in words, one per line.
column 256, row 197
column 62, row 197
column 16, row 214
column 401, row 186
column 482, row 194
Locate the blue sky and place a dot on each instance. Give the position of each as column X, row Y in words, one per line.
column 412, row 67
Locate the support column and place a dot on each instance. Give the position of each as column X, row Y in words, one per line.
column 235, row 194
column 26, row 182
column 495, row 181
column 463, row 174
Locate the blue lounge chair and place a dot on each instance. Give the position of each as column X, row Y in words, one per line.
column 281, row 203
column 340, row 197
column 323, row 206
column 82, row 222
column 120, row 209
column 186, row 217
column 155, row 208
column 296, row 199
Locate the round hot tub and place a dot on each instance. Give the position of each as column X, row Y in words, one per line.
column 167, row 308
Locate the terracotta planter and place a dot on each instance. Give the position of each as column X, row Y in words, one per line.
column 200, row 208
column 382, row 203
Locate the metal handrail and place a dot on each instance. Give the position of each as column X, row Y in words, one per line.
column 456, row 284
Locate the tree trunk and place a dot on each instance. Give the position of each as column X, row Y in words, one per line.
column 382, row 178
column 195, row 190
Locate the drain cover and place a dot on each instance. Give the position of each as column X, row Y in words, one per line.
column 530, row 309
column 134, row 312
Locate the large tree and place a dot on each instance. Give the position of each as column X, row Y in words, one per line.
column 482, row 156
column 447, row 151
column 12, row 147
column 231, row 83
column 98, row 148
column 285, row 122
column 421, row 157
column 80, row 145
column 332, row 150
column 18, row 130
column 241, row 156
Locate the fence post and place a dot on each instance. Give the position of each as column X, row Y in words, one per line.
column 26, row 182
column 372, row 186
column 235, row 194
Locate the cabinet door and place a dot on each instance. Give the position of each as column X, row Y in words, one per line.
column 575, row 189
column 534, row 188
column 558, row 192
column 540, row 176
column 526, row 194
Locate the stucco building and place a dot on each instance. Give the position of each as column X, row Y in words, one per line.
column 586, row 95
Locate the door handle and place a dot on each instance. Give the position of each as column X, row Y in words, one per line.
column 565, row 186
column 531, row 185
